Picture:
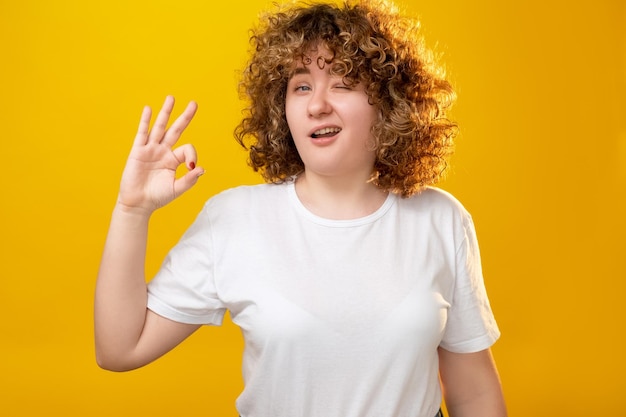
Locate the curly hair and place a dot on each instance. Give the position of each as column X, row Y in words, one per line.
column 374, row 45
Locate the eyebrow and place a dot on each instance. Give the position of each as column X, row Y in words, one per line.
column 301, row 70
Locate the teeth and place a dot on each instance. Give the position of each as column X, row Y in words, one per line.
column 326, row 130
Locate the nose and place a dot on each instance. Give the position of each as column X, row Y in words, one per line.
column 318, row 104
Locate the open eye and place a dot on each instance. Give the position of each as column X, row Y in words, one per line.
column 301, row 88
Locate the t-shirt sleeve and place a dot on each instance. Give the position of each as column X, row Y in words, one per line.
column 184, row 288
column 471, row 325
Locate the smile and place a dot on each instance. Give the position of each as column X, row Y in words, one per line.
column 325, row 132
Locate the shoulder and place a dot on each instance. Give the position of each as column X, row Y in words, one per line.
column 435, row 200
column 244, row 193
column 244, row 212
column 438, row 209
column 246, row 199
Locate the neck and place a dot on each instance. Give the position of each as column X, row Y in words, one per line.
column 336, row 199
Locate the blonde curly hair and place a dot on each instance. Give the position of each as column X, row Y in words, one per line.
column 374, row 45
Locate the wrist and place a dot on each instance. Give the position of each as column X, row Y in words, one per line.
column 132, row 212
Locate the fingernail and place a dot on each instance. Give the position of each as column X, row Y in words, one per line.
column 192, row 165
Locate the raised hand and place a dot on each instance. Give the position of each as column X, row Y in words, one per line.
column 149, row 179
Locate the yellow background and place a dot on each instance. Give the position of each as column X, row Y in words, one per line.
column 541, row 164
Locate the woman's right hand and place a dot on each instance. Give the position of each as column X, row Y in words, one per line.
column 149, row 179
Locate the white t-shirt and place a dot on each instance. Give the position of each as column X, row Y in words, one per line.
column 341, row 318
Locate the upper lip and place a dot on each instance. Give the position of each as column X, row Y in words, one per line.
column 319, row 128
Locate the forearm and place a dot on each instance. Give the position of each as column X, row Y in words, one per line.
column 121, row 295
column 487, row 404
column 471, row 384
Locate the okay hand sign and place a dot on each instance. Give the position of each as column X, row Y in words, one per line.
column 149, row 179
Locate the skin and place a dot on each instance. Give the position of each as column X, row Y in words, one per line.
column 471, row 385
column 127, row 334
column 334, row 185
column 337, row 167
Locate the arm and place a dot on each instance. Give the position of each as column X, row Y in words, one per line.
column 471, row 385
column 127, row 334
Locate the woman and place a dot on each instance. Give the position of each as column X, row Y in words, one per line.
column 357, row 285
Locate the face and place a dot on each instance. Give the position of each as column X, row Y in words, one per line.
column 329, row 121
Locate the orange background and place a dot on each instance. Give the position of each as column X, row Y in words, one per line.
column 541, row 164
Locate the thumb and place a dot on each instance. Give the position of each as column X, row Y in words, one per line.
column 187, row 181
column 186, row 154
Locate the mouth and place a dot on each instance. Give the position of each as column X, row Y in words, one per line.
column 326, row 132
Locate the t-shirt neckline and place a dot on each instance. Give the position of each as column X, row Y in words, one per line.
column 370, row 218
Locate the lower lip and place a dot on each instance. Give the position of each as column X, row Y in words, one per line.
column 324, row 141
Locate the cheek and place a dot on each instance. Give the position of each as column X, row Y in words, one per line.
column 363, row 111
column 367, row 117
column 290, row 114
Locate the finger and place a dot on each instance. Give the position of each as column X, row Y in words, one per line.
column 180, row 124
column 186, row 154
column 187, row 181
column 144, row 126
column 160, row 124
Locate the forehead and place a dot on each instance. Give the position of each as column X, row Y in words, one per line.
column 318, row 50
column 318, row 55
